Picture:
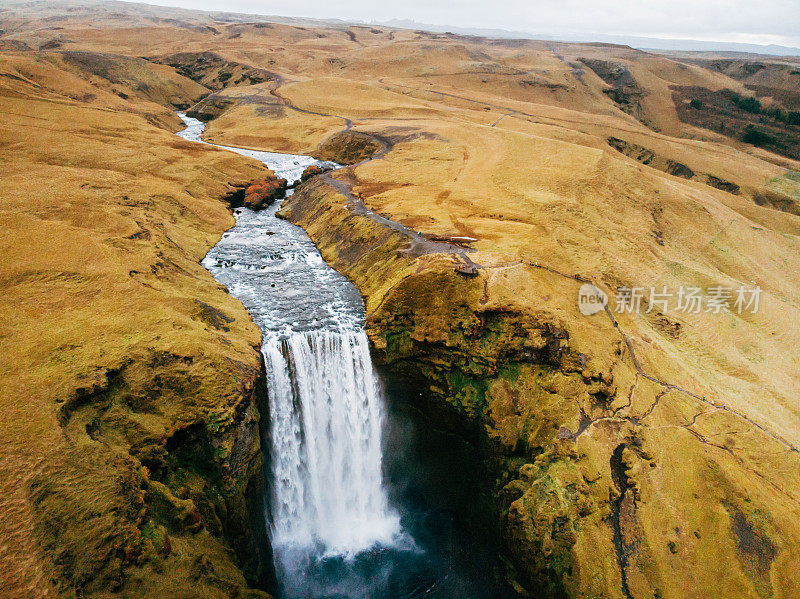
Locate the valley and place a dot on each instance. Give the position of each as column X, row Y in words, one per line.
column 485, row 182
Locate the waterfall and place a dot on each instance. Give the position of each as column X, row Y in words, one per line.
column 333, row 532
column 326, row 417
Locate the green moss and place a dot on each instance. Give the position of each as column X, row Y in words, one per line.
column 510, row 372
column 787, row 184
column 152, row 540
column 398, row 343
column 468, row 392
column 560, row 561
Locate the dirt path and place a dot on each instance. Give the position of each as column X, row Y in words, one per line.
column 420, row 244
column 640, row 372
column 287, row 103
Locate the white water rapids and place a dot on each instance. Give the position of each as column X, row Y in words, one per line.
column 326, row 408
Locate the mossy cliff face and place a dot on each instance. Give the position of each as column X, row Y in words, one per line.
column 492, row 374
column 591, row 495
column 155, row 493
column 506, row 375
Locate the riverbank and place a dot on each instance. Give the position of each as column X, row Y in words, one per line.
column 130, row 457
column 643, row 457
column 331, row 525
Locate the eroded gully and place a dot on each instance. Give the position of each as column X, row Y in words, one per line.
column 420, row 244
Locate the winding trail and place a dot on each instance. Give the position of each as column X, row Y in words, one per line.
column 510, row 113
column 284, row 101
column 640, row 372
column 420, row 244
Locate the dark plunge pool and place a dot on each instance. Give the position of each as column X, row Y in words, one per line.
column 365, row 499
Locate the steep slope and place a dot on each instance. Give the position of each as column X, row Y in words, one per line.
column 130, row 456
column 128, row 76
column 633, row 454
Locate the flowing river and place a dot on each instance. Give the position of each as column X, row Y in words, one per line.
column 333, row 529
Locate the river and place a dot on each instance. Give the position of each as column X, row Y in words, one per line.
column 336, row 527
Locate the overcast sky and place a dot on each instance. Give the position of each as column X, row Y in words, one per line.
column 751, row 21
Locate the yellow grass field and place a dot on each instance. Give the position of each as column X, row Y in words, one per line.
column 647, row 454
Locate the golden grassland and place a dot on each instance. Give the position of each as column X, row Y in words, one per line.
column 503, row 141
column 105, row 219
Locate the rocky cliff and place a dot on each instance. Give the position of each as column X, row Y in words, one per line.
column 590, row 494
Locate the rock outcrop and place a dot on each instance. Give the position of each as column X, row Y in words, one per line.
column 650, row 158
column 624, row 90
column 311, row 170
column 262, row 192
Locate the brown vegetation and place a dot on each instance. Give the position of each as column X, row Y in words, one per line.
column 638, row 454
column 262, row 192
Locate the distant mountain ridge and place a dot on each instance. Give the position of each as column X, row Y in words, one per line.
column 639, row 42
column 145, row 11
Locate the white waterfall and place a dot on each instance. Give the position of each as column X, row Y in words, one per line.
column 328, row 502
column 326, row 418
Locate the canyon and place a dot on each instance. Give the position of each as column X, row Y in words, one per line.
column 484, row 182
